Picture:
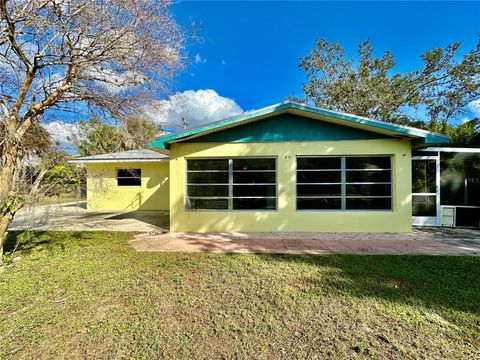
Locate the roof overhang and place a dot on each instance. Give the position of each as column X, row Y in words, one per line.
column 127, row 156
column 453, row 149
column 418, row 137
column 115, row 161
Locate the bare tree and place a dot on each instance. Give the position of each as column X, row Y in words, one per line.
column 105, row 55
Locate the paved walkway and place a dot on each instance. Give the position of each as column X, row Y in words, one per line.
column 73, row 216
column 434, row 241
column 149, row 224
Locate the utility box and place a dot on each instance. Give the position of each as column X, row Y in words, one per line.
column 448, row 216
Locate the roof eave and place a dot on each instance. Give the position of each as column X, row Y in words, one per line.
column 453, row 149
column 110, row 161
column 162, row 142
column 429, row 141
column 416, row 135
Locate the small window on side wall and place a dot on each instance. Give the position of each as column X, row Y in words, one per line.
column 129, row 177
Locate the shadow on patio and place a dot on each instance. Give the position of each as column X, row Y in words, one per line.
column 159, row 219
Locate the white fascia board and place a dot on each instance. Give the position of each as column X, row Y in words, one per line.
column 116, row 161
column 451, row 149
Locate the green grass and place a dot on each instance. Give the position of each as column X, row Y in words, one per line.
column 59, row 199
column 88, row 294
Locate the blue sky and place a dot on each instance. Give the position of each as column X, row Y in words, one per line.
column 250, row 50
column 249, row 54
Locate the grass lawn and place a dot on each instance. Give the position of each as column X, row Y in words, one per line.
column 88, row 294
column 59, row 199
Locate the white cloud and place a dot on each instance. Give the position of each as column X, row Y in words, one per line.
column 474, row 107
column 199, row 59
column 61, row 131
column 196, row 107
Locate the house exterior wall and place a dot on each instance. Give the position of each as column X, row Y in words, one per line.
column 286, row 217
column 104, row 194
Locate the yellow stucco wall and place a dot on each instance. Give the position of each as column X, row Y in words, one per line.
column 104, row 194
column 286, row 217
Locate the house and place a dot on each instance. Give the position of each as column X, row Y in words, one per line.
column 287, row 167
column 127, row 180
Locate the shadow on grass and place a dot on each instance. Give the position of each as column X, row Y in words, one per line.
column 447, row 282
column 30, row 241
column 437, row 282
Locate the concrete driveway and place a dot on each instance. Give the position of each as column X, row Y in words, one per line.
column 73, row 216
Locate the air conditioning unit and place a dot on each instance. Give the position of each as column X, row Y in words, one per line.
column 449, row 214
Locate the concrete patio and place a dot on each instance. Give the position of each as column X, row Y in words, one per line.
column 74, row 216
column 151, row 234
column 431, row 241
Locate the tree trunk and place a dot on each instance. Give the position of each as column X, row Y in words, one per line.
column 38, row 180
column 5, row 221
column 8, row 164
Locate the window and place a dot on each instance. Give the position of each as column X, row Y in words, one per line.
column 344, row 183
column 129, row 177
column 232, row 184
column 208, row 184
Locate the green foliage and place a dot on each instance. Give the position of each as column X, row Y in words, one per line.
column 138, row 131
column 11, row 205
column 62, row 178
column 369, row 86
column 466, row 134
column 100, row 137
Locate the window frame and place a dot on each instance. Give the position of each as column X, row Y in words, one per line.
column 231, row 184
column 343, row 183
column 128, row 177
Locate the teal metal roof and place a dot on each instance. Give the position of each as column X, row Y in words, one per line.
column 419, row 137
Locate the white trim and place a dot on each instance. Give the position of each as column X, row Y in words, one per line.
column 451, row 149
column 463, row 206
column 425, row 221
column 430, row 220
column 430, row 157
column 437, row 183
